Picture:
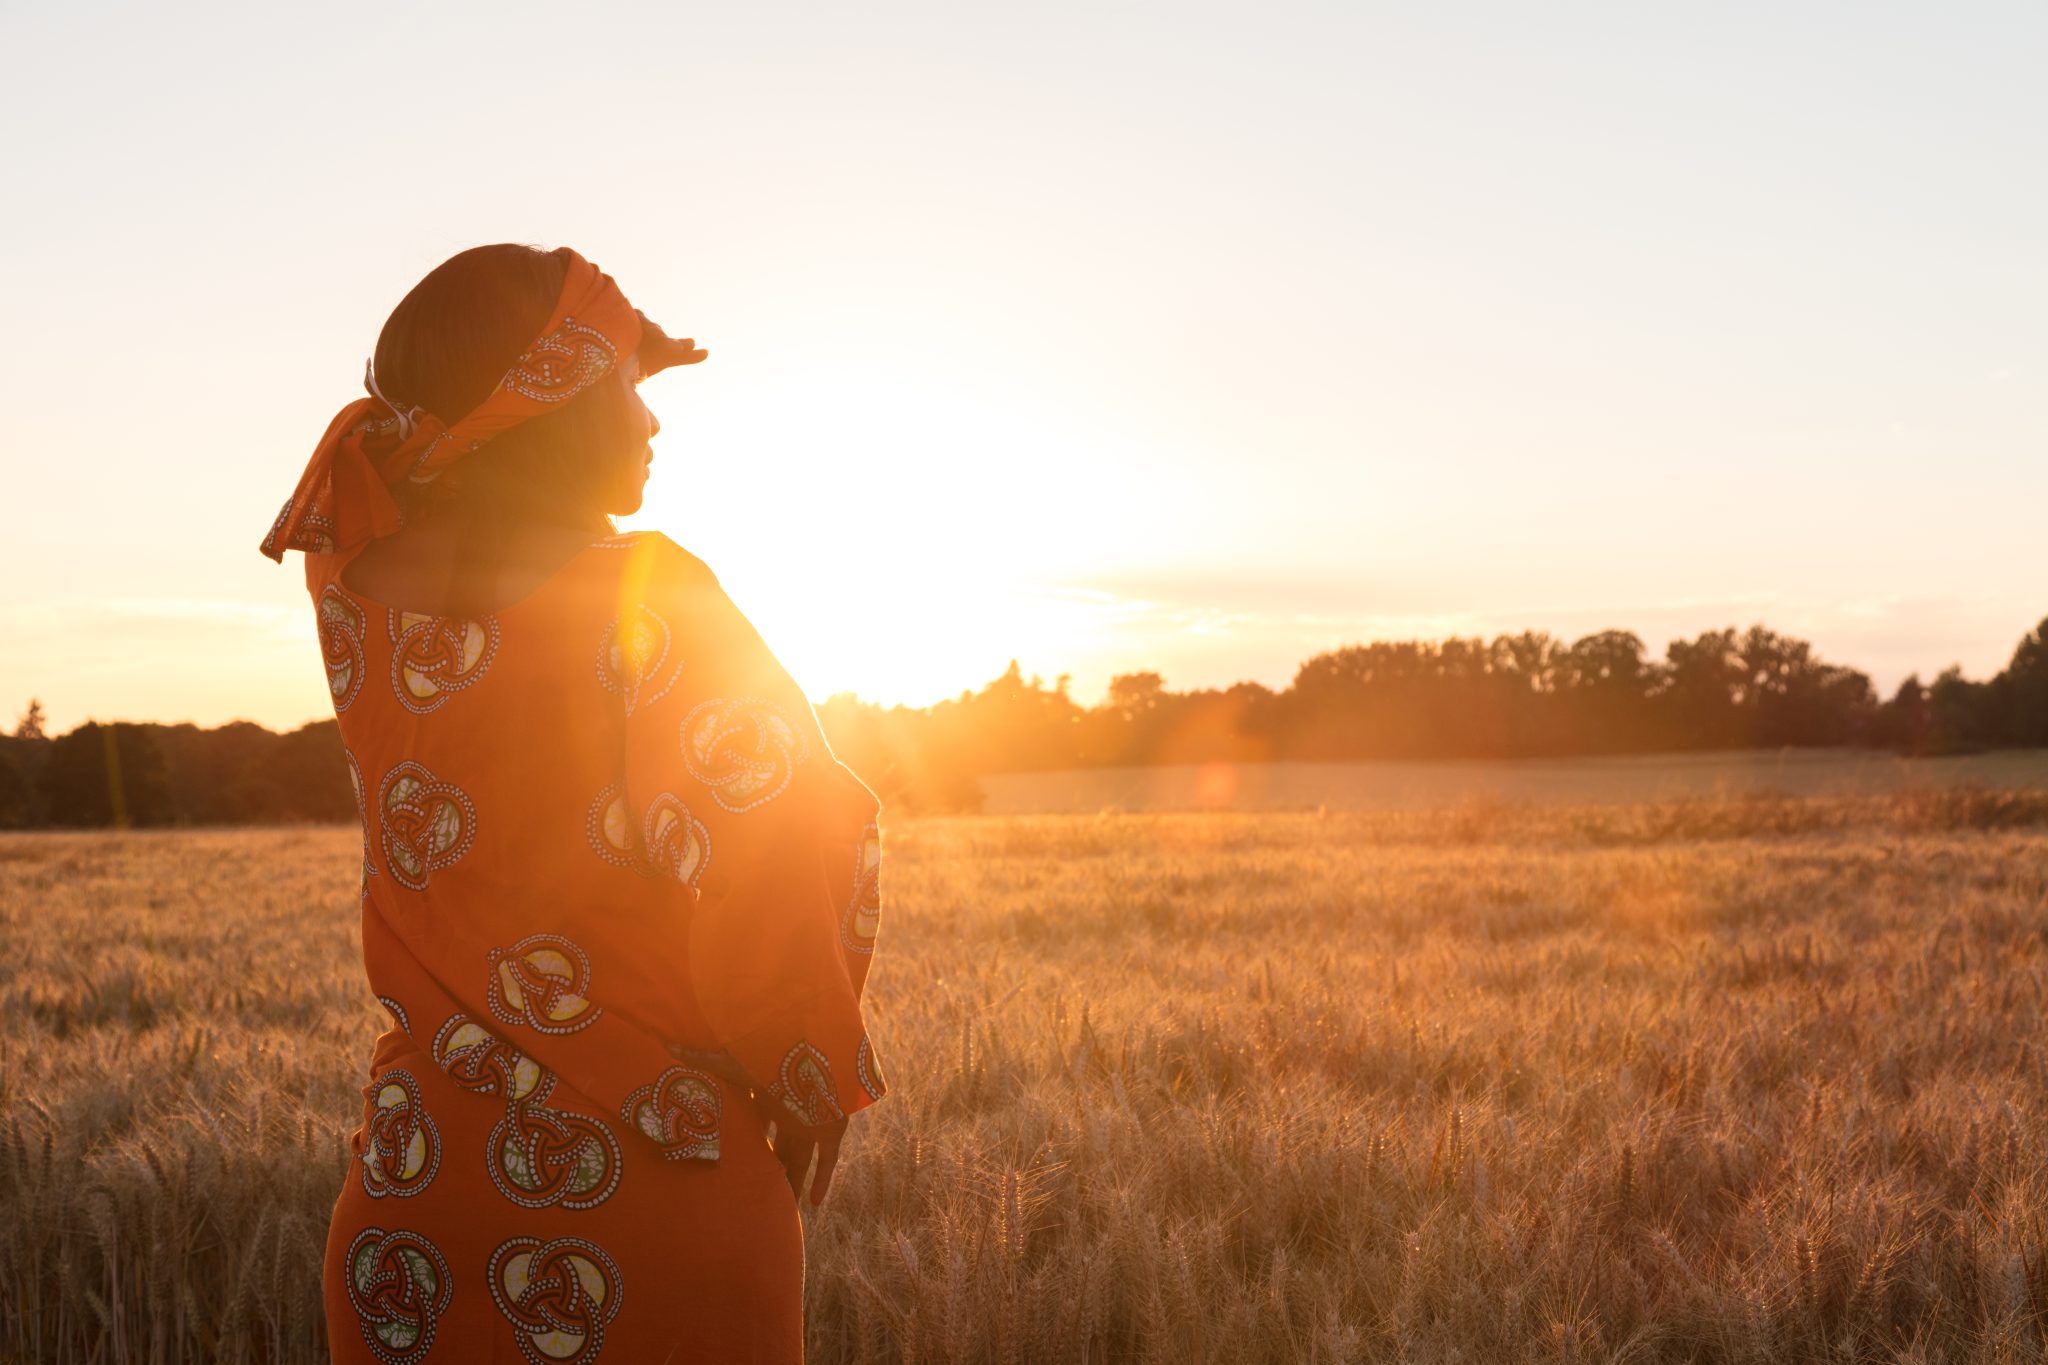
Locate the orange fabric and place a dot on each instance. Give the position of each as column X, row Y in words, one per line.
column 343, row 498
column 600, row 824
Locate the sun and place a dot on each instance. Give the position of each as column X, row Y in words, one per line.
column 890, row 542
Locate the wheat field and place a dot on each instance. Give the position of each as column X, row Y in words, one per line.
column 1697, row 1081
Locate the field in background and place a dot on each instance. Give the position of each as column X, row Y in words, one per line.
column 1419, row 785
column 1748, row 1080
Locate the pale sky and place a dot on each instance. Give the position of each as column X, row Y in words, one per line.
column 1185, row 337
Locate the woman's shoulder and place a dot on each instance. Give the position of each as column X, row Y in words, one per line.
column 657, row 548
column 652, row 564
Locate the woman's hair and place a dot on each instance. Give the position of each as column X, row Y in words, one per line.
column 448, row 344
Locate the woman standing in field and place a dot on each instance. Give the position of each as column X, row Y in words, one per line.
column 618, row 896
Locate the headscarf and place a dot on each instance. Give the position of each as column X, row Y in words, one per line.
column 344, row 497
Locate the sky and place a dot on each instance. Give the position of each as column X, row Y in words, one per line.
column 1107, row 337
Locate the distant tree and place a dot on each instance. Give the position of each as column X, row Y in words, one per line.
column 26, row 752
column 17, row 803
column 1706, row 691
column 2025, row 691
column 1960, row 714
column 1011, row 725
column 1794, row 698
column 308, row 769
column 1903, row 721
column 30, row 726
column 1523, row 675
column 218, row 776
column 1358, row 701
column 1254, row 715
column 1606, row 687
column 102, row 775
column 1136, row 694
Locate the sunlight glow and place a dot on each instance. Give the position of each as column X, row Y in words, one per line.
column 897, row 548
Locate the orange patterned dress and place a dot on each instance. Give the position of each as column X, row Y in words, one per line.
column 601, row 827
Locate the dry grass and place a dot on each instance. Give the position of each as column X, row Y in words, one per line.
column 1742, row 1081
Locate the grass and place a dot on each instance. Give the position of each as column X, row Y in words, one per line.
column 1735, row 1080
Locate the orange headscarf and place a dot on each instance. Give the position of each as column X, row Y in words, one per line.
column 344, row 497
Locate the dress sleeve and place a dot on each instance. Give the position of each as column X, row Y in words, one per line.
column 739, row 797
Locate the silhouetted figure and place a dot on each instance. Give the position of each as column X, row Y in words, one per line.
column 619, row 896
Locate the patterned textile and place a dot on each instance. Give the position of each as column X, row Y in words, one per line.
column 601, row 828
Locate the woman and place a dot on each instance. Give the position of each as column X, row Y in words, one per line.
column 618, row 895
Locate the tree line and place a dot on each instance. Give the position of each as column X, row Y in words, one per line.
column 1515, row 696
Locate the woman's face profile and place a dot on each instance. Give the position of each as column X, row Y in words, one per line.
column 634, row 486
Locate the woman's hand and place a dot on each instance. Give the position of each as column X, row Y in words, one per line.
column 793, row 1143
column 659, row 350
